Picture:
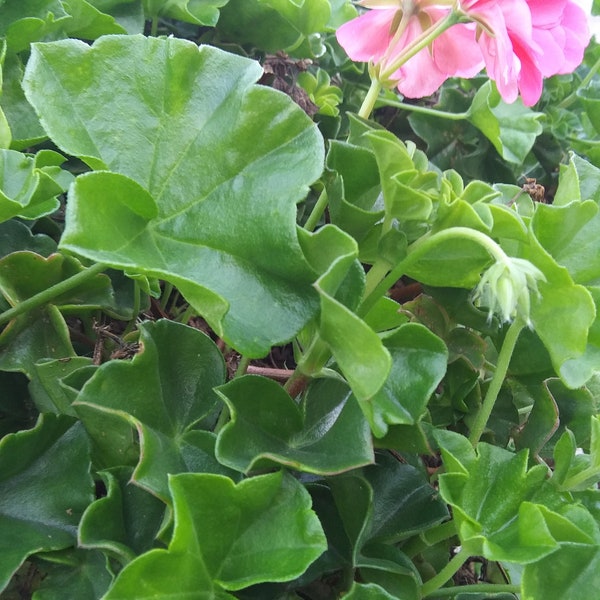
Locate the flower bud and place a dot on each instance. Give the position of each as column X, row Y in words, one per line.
column 505, row 289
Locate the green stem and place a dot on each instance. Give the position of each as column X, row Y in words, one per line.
column 187, row 314
column 566, row 102
column 317, row 211
column 429, row 538
column 137, row 301
column 446, row 573
column 242, row 366
column 166, row 294
column 49, row 294
column 369, row 102
column 154, row 26
column 424, row 110
column 506, row 352
column 312, row 362
column 477, row 588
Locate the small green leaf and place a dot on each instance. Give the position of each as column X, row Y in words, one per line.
column 227, row 537
column 164, row 392
column 267, row 427
column 273, row 25
column 199, row 12
column 125, row 522
column 512, row 128
column 45, row 485
column 419, row 361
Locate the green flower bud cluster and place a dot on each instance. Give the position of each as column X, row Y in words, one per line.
column 505, row 289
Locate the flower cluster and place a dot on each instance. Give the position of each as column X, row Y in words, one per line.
column 418, row 44
column 505, row 289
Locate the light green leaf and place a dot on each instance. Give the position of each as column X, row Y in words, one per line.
column 227, row 537
column 223, row 236
column 163, row 392
column 367, row 591
column 512, row 128
column 419, row 361
column 199, row 12
column 125, row 521
column 45, row 485
column 273, row 25
column 267, row 427
column 492, row 496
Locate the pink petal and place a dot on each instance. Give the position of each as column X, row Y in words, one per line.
column 366, row 38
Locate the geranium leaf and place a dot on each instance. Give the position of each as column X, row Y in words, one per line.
column 163, row 392
column 491, row 496
column 45, row 485
column 199, row 12
column 267, row 427
column 512, row 128
column 188, row 227
column 367, row 591
column 125, row 522
column 227, row 537
column 273, row 24
column 419, row 361
column 25, row 189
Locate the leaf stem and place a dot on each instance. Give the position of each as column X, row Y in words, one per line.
column 317, row 211
column 476, row 588
column 457, row 561
column 154, row 26
column 424, row 110
column 369, row 102
column 47, row 295
column 312, row 362
column 566, row 102
column 506, row 352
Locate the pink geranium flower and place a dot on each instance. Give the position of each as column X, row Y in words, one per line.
column 381, row 35
column 523, row 41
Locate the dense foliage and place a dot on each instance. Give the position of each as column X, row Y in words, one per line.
column 258, row 344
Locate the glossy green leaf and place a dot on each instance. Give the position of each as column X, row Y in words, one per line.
column 16, row 236
column 491, row 493
column 419, row 361
column 25, row 189
column 199, row 12
column 227, row 537
column 173, row 224
column 512, row 128
column 573, row 571
column 163, row 392
column 25, row 126
column 45, row 485
column 123, row 523
column 404, row 503
column 273, row 25
column 82, row 574
column 267, row 427
column 356, row 348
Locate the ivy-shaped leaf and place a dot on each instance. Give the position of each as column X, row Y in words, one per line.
column 267, row 427
column 419, row 361
column 273, row 24
column 227, row 537
column 512, row 128
column 45, row 485
column 202, row 156
column 164, row 392
column 199, row 12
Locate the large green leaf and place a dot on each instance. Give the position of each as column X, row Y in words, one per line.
column 268, row 427
column 227, row 537
column 163, row 392
column 45, row 485
column 209, row 166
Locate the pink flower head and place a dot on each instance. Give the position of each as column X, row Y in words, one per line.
column 523, row 41
column 380, row 36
